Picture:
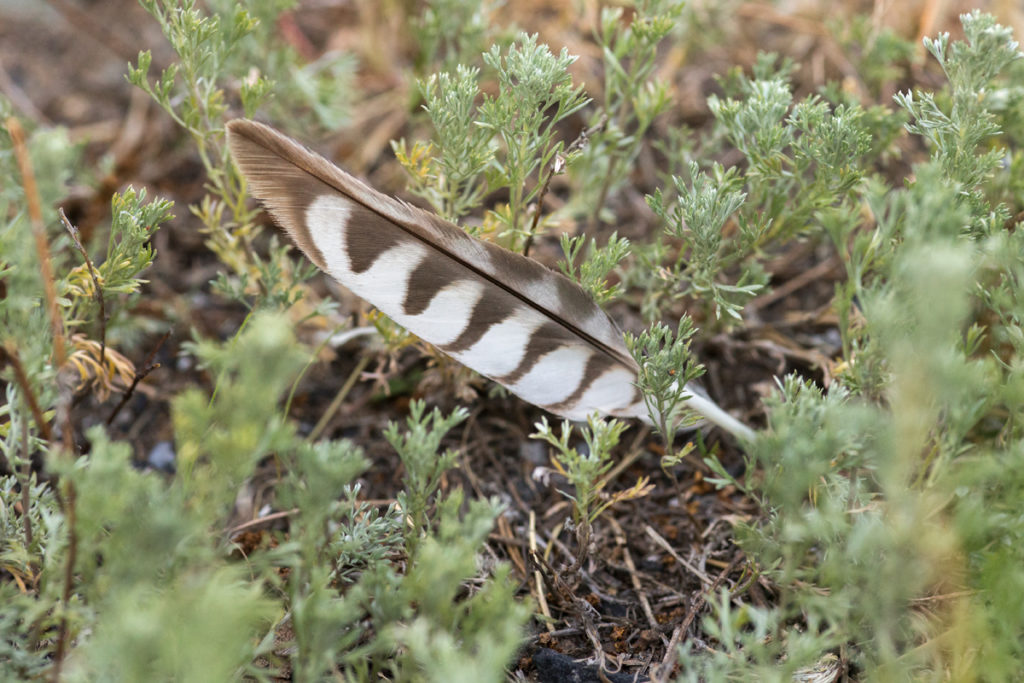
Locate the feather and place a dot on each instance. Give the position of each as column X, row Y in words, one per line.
column 506, row 316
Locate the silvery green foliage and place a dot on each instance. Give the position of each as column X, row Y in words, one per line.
column 484, row 143
column 895, row 484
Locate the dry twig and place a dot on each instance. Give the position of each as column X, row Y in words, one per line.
column 147, row 367
column 662, row 672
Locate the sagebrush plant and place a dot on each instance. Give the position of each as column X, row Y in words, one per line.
column 887, row 495
column 215, row 50
column 632, row 98
column 866, row 486
column 486, row 143
column 585, row 470
column 419, row 449
column 666, row 368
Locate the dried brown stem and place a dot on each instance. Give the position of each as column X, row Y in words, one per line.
column 35, row 214
column 664, row 671
column 557, row 167
column 148, row 366
column 805, row 278
column 645, row 603
column 260, row 521
column 101, row 32
column 538, row 580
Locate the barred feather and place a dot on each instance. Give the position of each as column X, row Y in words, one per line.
column 504, row 315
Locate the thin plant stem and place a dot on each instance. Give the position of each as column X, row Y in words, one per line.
column 321, row 425
column 147, row 367
column 307, row 366
column 35, row 213
column 557, row 165
column 26, row 491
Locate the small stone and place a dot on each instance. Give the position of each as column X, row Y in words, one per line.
column 162, row 457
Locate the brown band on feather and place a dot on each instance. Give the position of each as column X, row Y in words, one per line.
column 428, row 278
column 545, row 339
column 492, row 308
column 596, row 366
column 367, row 236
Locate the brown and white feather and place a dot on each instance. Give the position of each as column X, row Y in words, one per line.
column 506, row 316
